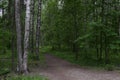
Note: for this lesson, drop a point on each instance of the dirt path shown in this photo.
(58, 69)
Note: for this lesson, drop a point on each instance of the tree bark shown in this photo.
(38, 29)
(13, 36)
(32, 26)
(26, 38)
(18, 31)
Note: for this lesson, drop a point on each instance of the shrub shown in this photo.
(4, 71)
(109, 67)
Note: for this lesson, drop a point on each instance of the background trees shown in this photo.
(89, 28)
(19, 15)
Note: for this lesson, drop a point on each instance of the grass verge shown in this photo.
(26, 78)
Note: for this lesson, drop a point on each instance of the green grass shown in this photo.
(26, 78)
(69, 56)
(89, 61)
(5, 63)
(6, 55)
(45, 49)
(33, 61)
(4, 71)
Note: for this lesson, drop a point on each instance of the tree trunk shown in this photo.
(33, 31)
(22, 11)
(13, 36)
(32, 26)
(75, 45)
(106, 51)
(38, 29)
(26, 38)
(101, 32)
(18, 30)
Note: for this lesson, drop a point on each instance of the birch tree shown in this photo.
(26, 37)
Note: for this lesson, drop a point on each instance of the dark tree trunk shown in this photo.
(38, 29)
(32, 27)
(13, 36)
(19, 36)
(106, 50)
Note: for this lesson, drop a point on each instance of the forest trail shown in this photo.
(58, 69)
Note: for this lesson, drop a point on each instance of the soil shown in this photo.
(59, 69)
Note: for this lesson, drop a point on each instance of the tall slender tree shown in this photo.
(38, 28)
(26, 37)
(32, 31)
(18, 31)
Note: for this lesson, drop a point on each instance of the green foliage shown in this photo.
(4, 71)
(86, 59)
(92, 28)
(83, 37)
(109, 67)
(5, 36)
(82, 61)
(4, 67)
(45, 49)
(27, 78)
(33, 58)
(87, 27)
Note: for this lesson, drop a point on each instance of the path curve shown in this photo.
(58, 69)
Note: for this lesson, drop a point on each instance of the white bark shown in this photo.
(26, 37)
(25, 2)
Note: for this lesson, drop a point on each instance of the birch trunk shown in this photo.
(18, 31)
(26, 37)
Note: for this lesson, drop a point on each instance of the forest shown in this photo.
(59, 39)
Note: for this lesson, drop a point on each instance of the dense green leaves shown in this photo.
(83, 26)
(5, 37)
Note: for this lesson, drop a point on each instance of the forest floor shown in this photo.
(58, 69)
